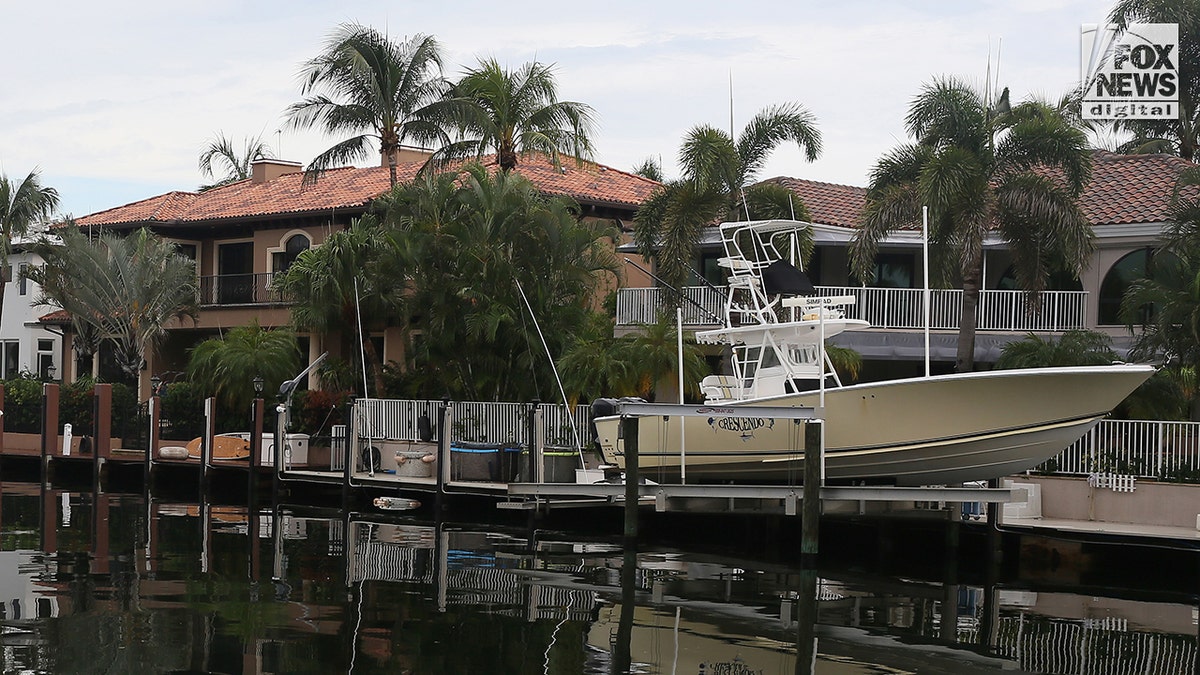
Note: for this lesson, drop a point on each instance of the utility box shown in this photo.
(295, 450)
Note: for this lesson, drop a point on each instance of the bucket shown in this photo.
(410, 463)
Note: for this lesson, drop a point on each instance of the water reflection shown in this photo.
(119, 583)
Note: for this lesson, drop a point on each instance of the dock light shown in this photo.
(155, 383)
(258, 386)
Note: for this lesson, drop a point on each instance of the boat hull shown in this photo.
(921, 431)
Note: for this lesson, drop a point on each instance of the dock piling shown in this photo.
(810, 517)
(629, 431)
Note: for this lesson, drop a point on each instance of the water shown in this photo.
(117, 584)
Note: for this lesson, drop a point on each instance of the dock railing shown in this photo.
(1142, 448)
(480, 422)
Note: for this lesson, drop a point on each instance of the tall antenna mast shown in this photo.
(731, 105)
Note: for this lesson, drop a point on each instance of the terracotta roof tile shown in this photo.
(827, 203)
(1128, 189)
(1124, 189)
(354, 188)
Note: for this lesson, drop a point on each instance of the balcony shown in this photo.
(229, 290)
(897, 308)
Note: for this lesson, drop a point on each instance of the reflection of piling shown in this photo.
(622, 652)
(629, 431)
(806, 622)
(810, 517)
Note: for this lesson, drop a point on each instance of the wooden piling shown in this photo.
(49, 428)
(102, 430)
(810, 517)
(629, 432)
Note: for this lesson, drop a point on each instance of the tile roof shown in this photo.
(827, 203)
(353, 188)
(1128, 189)
(1124, 189)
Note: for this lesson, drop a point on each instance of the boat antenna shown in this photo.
(553, 368)
(791, 206)
(678, 291)
(362, 350)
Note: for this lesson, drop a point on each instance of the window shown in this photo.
(1060, 280)
(186, 250)
(292, 248)
(1132, 267)
(22, 282)
(12, 358)
(45, 359)
(893, 270)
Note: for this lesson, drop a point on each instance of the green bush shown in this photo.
(77, 406)
(23, 406)
(183, 411)
(314, 412)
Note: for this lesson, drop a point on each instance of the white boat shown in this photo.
(944, 429)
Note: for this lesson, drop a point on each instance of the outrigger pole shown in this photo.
(678, 291)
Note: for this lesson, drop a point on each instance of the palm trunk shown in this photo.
(965, 361)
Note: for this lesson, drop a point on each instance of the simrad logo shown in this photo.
(1130, 75)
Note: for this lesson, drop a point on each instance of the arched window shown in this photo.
(292, 248)
(1131, 267)
(1060, 280)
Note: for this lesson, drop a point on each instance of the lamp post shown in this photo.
(155, 383)
(258, 386)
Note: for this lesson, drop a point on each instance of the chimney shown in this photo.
(406, 155)
(263, 170)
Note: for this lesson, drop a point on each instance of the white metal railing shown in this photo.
(401, 420)
(1042, 645)
(1142, 448)
(881, 307)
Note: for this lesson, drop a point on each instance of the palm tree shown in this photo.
(981, 168)
(353, 274)
(234, 165)
(1073, 348)
(516, 112)
(654, 358)
(127, 287)
(1181, 135)
(383, 91)
(483, 249)
(22, 205)
(226, 366)
(716, 172)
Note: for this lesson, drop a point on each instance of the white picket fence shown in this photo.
(1142, 448)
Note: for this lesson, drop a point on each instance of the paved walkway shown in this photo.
(1050, 526)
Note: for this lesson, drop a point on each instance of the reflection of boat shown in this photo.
(917, 431)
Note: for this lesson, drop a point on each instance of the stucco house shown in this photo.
(1127, 202)
(243, 234)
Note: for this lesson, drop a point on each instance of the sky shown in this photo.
(113, 102)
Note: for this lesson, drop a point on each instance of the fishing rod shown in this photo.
(678, 292)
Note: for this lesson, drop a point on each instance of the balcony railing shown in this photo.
(881, 307)
(239, 289)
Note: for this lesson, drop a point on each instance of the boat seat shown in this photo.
(719, 388)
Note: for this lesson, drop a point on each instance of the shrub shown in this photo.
(77, 402)
(183, 411)
(23, 406)
(314, 412)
